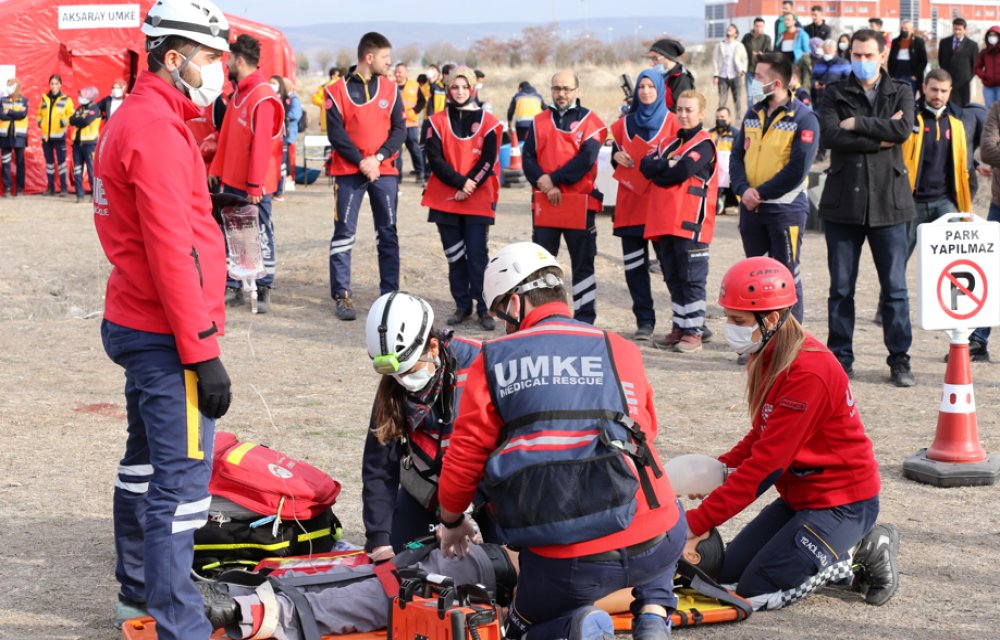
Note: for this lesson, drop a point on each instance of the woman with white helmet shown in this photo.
(415, 406)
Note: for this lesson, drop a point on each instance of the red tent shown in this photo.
(93, 44)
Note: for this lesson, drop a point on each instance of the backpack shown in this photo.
(268, 482)
(264, 504)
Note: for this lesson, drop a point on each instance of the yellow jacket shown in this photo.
(319, 99)
(409, 92)
(53, 116)
(913, 156)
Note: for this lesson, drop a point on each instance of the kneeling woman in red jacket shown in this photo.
(808, 441)
(463, 150)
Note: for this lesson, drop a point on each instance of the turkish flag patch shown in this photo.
(807, 136)
(694, 155)
(329, 103)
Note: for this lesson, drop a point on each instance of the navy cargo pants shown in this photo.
(582, 246)
(635, 254)
(161, 490)
(685, 270)
(383, 194)
(778, 234)
(464, 240)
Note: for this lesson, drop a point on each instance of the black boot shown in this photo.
(876, 564)
(220, 607)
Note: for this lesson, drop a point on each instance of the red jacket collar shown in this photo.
(251, 81)
(148, 83)
(546, 311)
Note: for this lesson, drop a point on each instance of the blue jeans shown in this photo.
(412, 143)
(267, 247)
(926, 212)
(782, 549)
(161, 490)
(982, 334)
(382, 194)
(550, 590)
(888, 247)
(990, 95)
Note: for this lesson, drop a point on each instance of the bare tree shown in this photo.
(346, 56)
(539, 43)
(490, 51)
(408, 54)
(443, 51)
(324, 58)
(302, 62)
(515, 51)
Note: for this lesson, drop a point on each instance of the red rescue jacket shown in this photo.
(685, 210)
(154, 219)
(367, 124)
(808, 440)
(555, 147)
(248, 157)
(463, 154)
(634, 204)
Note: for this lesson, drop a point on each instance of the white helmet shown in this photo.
(512, 265)
(198, 20)
(397, 330)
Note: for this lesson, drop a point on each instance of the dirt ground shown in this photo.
(302, 383)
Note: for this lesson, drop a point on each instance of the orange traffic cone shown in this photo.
(515, 153)
(955, 458)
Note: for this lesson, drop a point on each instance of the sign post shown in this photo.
(958, 290)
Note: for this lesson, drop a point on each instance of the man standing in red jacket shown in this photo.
(164, 312)
(558, 418)
(248, 162)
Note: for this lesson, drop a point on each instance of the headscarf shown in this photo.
(649, 117)
(470, 77)
(90, 93)
(16, 92)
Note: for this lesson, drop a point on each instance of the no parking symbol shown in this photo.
(962, 289)
(958, 261)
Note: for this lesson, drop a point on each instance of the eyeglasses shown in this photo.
(564, 89)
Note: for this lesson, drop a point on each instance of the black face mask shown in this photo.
(721, 124)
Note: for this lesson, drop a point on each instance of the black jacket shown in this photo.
(960, 64)
(865, 182)
(918, 58)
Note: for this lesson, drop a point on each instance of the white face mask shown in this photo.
(84, 102)
(740, 339)
(117, 93)
(275, 87)
(993, 40)
(479, 85)
(213, 79)
(419, 379)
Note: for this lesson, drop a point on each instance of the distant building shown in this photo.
(933, 17)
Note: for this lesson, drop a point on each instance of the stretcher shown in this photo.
(694, 609)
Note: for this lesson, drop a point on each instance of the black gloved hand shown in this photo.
(214, 388)
(223, 200)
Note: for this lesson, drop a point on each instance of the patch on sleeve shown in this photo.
(695, 156)
(807, 136)
(794, 405)
(329, 103)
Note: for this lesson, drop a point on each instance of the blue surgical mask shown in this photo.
(757, 92)
(660, 68)
(864, 70)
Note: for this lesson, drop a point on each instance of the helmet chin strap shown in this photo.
(765, 333)
(509, 319)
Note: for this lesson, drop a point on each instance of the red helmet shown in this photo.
(757, 284)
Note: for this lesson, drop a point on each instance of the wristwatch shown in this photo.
(379, 156)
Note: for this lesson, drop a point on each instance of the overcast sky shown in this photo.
(292, 13)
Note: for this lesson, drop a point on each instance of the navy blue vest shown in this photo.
(565, 470)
